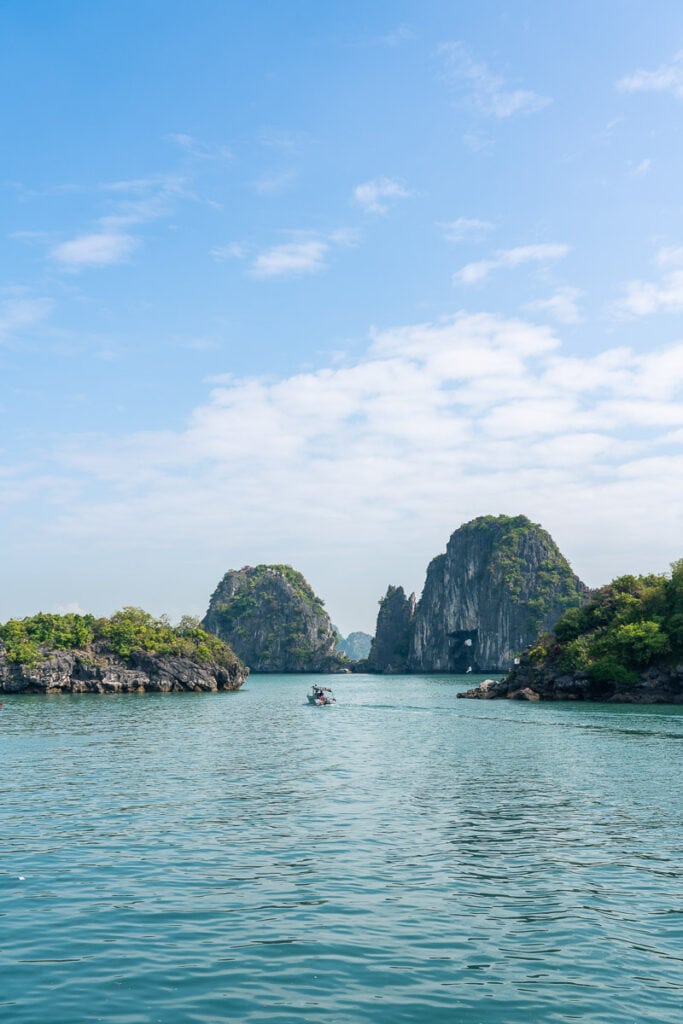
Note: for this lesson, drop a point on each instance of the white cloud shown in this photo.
(644, 298)
(465, 227)
(562, 306)
(306, 253)
(99, 249)
(375, 196)
(485, 90)
(667, 78)
(21, 312)
(138, 201)
(304, 257)
(334, 469)
(642, 168)
(670, 256)
(473, 273)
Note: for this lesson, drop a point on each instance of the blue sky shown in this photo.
(316, 283)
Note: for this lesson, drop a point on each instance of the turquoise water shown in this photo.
(403, 856)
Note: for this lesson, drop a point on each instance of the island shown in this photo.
(131, 652)
(501, 582)
(274, 621)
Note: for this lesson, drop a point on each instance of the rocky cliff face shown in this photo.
(96, 670)
(391, 643)
(273, 620)
(501, 582)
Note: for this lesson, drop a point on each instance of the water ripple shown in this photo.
(401, 857)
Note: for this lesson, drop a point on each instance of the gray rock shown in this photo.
(95, 670)
(391, 643)
(273, 621)
(501, 583)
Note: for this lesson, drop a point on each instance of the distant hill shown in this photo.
(273, 620)
(355, 646)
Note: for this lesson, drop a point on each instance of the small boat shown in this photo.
(320, 696)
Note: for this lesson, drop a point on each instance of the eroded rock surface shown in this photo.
(273, 620)
(94, 670)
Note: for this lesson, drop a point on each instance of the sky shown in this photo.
(316, 283)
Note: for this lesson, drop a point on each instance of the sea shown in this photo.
(400, 856)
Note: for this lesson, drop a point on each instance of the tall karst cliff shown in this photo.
(501, 583)
(273, 620)
(391, 643)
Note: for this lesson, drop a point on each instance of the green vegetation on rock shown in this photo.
(631, 624)
(129, 631)
(554, 583)
(274, 620)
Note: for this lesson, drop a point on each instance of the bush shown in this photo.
(128, 631)
(575, 655)
(639, 643)
(570, 625)
(607, 670)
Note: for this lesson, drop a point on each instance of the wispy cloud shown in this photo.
(98, 249)
(272, 184)
(401, 34)
(488, 92)
(231, 251)
(642, 168)
(303, 257)
(21, 312)
(138, 201)
(282, 140)
(474, 273)
(200, 150)
(377, 195)
(562, 306)
(666, 78)
(477, 142)
(465, 227)
(305, 253)
(645, 298)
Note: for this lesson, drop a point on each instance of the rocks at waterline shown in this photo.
(273, 620)
(525, 682)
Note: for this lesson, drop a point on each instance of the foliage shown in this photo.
(127, 632)
(516, 545)
(271, 612)
(632, 623)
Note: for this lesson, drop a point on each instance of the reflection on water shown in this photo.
(401, 856)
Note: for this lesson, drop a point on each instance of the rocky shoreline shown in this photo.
(94, 670)
(532, 683)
